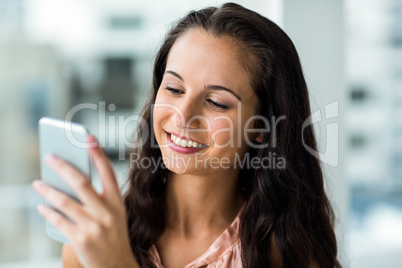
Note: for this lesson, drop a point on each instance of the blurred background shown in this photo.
(55, 55)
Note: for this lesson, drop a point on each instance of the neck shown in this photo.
(201, 204)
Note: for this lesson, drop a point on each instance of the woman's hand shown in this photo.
(98, 232)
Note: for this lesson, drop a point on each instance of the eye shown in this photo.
(218, 105)
(174, 91)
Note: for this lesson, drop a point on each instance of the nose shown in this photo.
(188, 115)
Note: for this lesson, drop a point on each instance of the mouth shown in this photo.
(183, 144)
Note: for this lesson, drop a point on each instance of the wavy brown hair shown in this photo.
(287, 206)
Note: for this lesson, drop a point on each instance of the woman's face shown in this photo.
(205, 96)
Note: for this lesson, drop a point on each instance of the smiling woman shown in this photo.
(224, 77)
(227, 85)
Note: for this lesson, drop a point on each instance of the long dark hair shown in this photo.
(287, 210)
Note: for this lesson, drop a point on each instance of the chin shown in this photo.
(180, 170)
(183, 169)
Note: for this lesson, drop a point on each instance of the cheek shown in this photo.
(164, 107)
(225, 132)
(229, 133)
(159, 115)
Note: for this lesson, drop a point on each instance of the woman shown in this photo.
(227, 88)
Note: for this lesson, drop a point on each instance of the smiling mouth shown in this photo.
(186, 143)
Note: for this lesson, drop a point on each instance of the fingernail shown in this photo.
(50, 159)
(92, 139)
(41, 208)
(39, 185)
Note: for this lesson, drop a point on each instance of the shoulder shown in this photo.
(70, 259)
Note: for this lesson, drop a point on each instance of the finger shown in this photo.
(77, 181)
(104, 169)
(66, 227)
(62, 202)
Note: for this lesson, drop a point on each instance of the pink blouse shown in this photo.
(225, 251)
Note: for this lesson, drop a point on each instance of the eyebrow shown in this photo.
(213, 87)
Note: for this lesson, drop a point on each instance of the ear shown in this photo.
(260, 137)
(258, 124)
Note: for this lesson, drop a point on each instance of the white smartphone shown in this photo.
(66, 140)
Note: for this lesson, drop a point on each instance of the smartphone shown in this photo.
(66, 140)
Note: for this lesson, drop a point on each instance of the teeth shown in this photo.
(183, 142)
